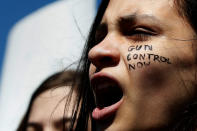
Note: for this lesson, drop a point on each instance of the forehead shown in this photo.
(161, 9)
(48, 102)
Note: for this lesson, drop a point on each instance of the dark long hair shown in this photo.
(86, 101)
(187, 120)
(188, 117)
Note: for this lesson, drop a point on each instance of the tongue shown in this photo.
(103, 113)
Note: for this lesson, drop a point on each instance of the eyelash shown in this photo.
(99, 37)
(140, 34)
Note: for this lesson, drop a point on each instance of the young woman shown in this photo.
(47, 110)
(139, 67)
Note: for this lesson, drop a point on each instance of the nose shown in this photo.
(105, 54)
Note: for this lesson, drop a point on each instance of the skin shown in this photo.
(47, 112)
(152, 95)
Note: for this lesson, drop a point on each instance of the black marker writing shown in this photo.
(148, 56)
(138, 65)
(140, 60)
(140, 47)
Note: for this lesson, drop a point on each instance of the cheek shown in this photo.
(163, 88)
(159, 91)
(160, 78)
(153, 76)
(141, 59)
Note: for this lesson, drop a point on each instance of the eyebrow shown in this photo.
(35, 125)
(61, 121)
(101, 27)
(133, 18)
(124, 22)
(56, 123)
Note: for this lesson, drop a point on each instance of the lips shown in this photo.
(108, 94)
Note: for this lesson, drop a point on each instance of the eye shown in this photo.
(101, 33)
(140, 34)
(99, 37)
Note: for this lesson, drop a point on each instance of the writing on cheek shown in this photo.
(140, 60)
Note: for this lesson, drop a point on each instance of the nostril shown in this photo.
(108, 61)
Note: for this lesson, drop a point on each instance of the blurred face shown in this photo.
(142, 67)
(47, 112)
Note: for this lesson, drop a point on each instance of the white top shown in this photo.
(41, 44)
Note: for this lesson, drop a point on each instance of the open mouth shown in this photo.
(108, 95)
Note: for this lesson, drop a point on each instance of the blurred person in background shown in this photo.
(47, 110)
